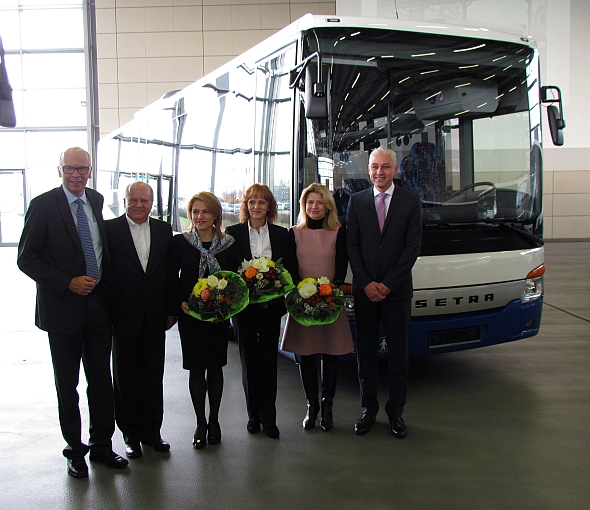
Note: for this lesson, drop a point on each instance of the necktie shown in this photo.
(381, 210)
(86, 240)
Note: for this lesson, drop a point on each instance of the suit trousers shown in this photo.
(258, 329)
(138, 372)
(92, 345)
(395, 317)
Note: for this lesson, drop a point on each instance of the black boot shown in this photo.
(329, 379)
(327, 422)
(313, 408)
(309, 378)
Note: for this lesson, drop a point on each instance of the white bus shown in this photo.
(461, 108)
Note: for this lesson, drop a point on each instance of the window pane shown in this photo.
(9, 30)
(15, 156)
(55, 107)
(57, 28)
(53, 70)
(45, 147)
(13, 68)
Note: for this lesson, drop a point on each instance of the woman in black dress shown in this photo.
(201, 250)
(258, 327)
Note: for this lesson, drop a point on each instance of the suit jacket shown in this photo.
(138, 295)
(50, 253)
(386, 257)
(278, 241)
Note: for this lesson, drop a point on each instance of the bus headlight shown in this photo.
(533, 289)
(533, 286)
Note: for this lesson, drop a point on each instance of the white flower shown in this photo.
(212, 281)
(222, 284)
(260, 264)
(323, 279)
(308, 290)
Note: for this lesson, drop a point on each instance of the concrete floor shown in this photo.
(506, 427)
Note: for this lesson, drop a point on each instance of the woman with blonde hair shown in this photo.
(196, 253)
(258, 327)
(317, 247)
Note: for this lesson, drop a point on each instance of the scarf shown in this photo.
(208, 260)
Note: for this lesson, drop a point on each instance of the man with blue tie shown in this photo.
(383, 238)
(63, 249)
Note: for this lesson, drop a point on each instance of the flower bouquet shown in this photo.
(218, 297)
(315, 302)
(266, 280)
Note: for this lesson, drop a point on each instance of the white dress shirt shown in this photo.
(260, 242)
(142, 240)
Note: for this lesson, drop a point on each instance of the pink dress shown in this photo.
(316, 254)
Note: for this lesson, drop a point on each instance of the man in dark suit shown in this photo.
(142, 313)
(383, 237)
(63, 249)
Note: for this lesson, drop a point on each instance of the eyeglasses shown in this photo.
(82, 170)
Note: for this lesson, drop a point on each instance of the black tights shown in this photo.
(199, 386)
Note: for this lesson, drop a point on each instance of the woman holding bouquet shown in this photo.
(317, 248)
(196, 253)
(258, 327)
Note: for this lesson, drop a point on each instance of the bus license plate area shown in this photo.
(453, 337)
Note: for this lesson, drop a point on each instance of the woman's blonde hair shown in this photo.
(259, 191)
(212, 203)
(331, 218)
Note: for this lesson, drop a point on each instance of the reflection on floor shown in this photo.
(501, 427)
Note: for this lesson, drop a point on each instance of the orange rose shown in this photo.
(205, 295)
(251, 272)
(325, 289)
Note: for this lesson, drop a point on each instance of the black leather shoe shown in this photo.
(133, 450)
(111, 459)
(364, 424)
(77, 468)
(272, 431)
(214, 433)
(157, 444)
(398, 427)
(253, 426)
(200, 437)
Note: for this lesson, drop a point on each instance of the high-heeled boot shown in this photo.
(313, 408)
(327, 422)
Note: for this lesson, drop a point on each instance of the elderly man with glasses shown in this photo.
(63, 249)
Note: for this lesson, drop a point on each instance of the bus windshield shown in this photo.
(462, 115)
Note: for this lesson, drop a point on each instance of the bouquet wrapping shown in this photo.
(266, 279)
(315, 302)
(218, 297)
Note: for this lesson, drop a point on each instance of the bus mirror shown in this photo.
(316, 102)
(556, 125)
(554, 114)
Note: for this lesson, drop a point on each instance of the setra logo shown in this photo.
(454, 301)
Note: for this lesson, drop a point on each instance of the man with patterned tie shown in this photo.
(63, 249)
(143, 310)
(383, 238)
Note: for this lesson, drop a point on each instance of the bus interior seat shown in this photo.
(422, 172)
